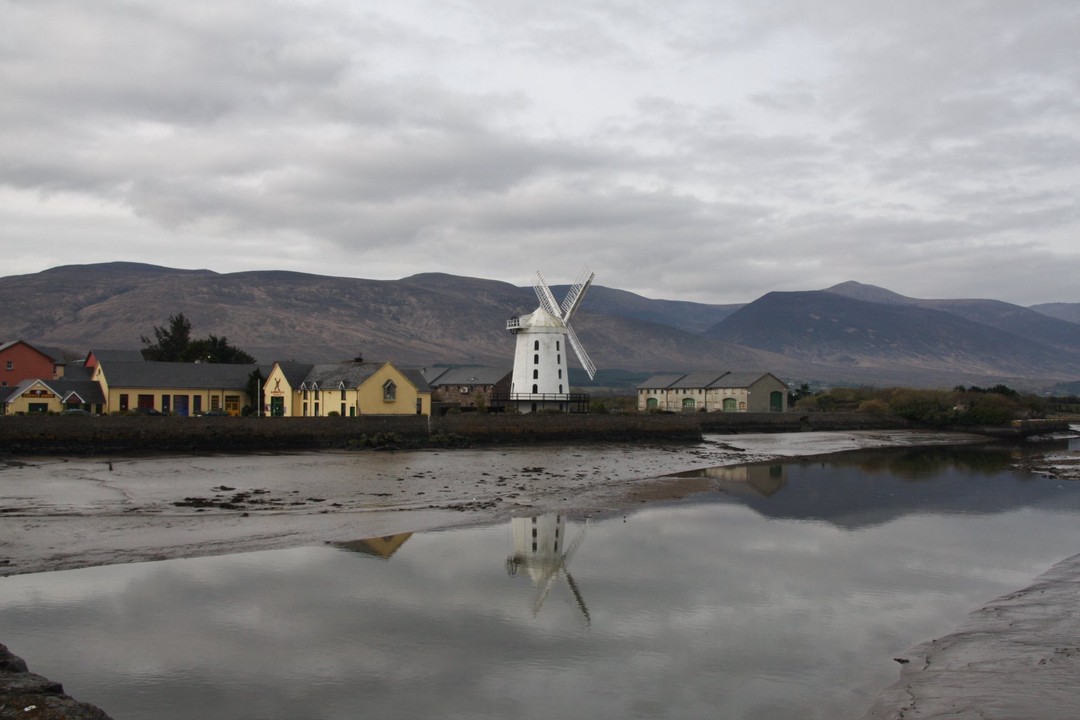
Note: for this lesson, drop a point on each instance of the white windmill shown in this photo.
(541, 379)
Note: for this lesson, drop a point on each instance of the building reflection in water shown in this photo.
(380, 547)
(541, 548)
(763, 480)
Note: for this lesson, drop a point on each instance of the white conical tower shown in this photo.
(544, 339)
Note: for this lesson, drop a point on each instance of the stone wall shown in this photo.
(54, 434)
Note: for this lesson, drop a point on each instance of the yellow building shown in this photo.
(52, 396)
(174, 388)
(345, 389)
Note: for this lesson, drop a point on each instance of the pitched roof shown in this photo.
(295, 372)
(53, 354)
(467, 375)
(739, 379)
(332, 375)
(699, 379)
(662, 380)
(116, 355)
(416, 377)
(147, 374)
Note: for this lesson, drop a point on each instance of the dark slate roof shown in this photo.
(117, 355)
(700, 379)
(739, 379)
(53, 354)
(468, 375)
(88, 391)
(660, 381)
(416, 377)
(144, 374)
(329, 376)
(295, 372)
(6, 391)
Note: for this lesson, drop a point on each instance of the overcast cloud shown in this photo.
(708, 151)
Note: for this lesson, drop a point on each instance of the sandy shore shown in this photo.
(62, 513)
(1019, 657)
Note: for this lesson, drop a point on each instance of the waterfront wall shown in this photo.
(53, 434)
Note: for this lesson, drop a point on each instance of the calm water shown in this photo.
(785, 594)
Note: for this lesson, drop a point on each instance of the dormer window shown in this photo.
(389, 391)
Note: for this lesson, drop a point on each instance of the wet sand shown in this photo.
(62, 513)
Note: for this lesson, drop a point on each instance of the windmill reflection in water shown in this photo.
(540, 547)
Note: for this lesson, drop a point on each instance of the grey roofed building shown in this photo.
(744, 391)
(86, 394)
(328, 376)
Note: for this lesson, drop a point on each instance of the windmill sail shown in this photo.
(547, 300)
(576, 293)
(586, 361)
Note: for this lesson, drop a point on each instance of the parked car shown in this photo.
(145, 411)
(217, 412)
(76, 411)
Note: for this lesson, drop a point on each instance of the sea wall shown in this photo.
(114, 434)
(88, 435)
(797, 422)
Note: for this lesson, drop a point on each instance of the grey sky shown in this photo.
(708, 151)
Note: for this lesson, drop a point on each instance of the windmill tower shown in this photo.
(540, 380)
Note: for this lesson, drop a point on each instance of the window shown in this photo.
(123, 402)
(10, 364)
(560, 388)
(419, 406)
(536, 359)
(558, 359)
(389, 391)
(197, 406)
(536, 346)
(342, 413)
(232, 404)
(536, 374)
(343, 399)
(535, 389)
(557, 345)
(560, 373)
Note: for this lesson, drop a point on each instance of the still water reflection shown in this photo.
(784, 594)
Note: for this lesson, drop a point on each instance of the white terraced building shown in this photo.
(719, 391)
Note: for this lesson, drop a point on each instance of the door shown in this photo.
(277, 406)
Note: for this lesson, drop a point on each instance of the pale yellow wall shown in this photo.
(21, 404)
(226, 399)
(277, 386)
(370, 394)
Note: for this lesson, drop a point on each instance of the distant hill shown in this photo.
(420, 320)
(1062, 311)
(827, 327)
(850, 333)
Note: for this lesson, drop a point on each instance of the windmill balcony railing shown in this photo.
(513, 323)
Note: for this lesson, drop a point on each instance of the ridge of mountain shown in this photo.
(1024, 322)
(832, 328)
(869, 335)
(278, 315)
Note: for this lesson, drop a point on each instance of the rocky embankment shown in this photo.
(27, 695)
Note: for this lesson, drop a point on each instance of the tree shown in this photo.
(173, 343)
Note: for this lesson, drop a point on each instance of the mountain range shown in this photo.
(849, 333)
